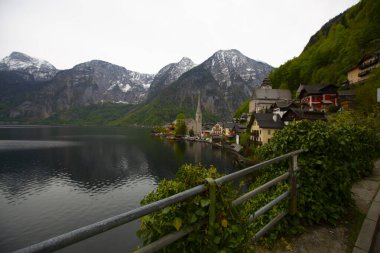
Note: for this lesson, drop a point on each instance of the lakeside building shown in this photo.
(217, 129)
(229, 129)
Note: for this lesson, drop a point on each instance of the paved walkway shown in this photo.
(367, 199)
(319, 239)
(376, 246)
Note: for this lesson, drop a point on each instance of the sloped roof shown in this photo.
(274, 94)
(265, 120)
(285, 103)
(229, 125)
(302, 114)
(313, 89)
(310, 88)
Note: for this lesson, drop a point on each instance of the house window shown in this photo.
(269, 131)
(268, 140)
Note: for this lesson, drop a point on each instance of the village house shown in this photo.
(228, 129)
(263, 99)
(296, 114)
(217, 133)
(346, 99)
(206, 130)
(360, 72)
(217, 129)
(263, 127)
(240, 128)
(317, 97)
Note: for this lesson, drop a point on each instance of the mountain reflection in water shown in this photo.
(56, 179)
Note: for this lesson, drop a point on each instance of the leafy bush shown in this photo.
(335, 156)
(229, 233)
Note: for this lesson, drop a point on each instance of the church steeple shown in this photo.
(198, 117)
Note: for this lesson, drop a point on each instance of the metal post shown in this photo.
(293, 185)
(212, 195)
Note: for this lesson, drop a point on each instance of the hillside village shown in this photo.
(270, 110)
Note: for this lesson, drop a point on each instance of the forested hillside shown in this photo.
(337, 46)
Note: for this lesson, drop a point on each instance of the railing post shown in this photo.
(293, 184)
(211, 211)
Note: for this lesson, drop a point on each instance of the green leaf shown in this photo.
(235, 228)
(200, 212)
(205, 202)
(193, 218)
(217, 239)
(177, 223)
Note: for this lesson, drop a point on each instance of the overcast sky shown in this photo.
(145, 35)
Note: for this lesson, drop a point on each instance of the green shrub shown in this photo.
(229, 231)
(335, 156)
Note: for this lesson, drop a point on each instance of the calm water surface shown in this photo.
(56, 179)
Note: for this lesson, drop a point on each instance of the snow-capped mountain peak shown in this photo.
(227, 64)
(169, 74)
(40, 69)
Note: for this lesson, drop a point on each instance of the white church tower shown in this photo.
(198, 117)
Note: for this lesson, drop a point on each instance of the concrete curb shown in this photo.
(366, 237)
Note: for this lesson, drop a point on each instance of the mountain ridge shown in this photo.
(97, 81)
(332, 50)
(225, 80)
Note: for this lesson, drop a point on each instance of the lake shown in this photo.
(56, 179)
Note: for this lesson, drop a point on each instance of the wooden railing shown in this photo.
(83, 233)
